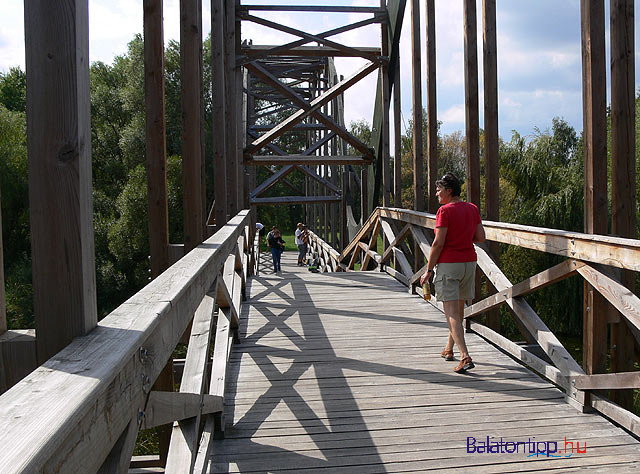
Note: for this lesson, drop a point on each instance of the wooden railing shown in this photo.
(328, 257)
(81, 411)
(585, 254)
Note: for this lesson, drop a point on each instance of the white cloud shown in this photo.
(454, 114)
(539, 63)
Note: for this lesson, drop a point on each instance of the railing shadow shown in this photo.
(322, 418)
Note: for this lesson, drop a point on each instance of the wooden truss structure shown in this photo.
(292, 115)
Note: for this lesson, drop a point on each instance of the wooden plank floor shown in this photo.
(340, 372)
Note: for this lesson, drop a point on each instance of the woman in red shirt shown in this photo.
(458, 226)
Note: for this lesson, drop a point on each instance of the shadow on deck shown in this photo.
(340, 372)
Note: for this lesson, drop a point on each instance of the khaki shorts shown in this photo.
(455, 281)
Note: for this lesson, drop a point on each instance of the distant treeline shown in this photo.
(541, 184)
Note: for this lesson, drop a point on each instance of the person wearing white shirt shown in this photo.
(302, 247)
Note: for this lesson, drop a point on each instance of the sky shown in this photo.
(539, 53)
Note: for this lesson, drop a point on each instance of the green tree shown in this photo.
(13, 90)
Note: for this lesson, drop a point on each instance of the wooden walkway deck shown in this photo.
(340, 372)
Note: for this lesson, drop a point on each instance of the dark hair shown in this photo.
(450, 181)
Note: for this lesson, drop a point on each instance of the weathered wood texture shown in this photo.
(59, 152)
(308, 396)
(623, 168)
(17, 356)
(418, 150)
(432, 108)
(156, 136)
(595, 171)
(472, 121)
(63, 404)
(219, 111)
(191, 88)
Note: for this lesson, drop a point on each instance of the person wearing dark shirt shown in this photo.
(276, 244)
(458, 226)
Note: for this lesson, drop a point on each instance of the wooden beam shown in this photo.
(403, 234)
(311, 8)
(283, 49)
(219, 111)
(155, 137)
(167, 407)
(264, 160)
(364, 191)
(401, 258)
(432, 108)
(310, 51)
(59, 153)
(313, 175)
(272, 180)
(397, 138)
(322, 117)
(595, 171)
(349, 51)
(362, 233)
(545, 278)
(624, 418)
(184, 437)
(191, 90)
(623, 169)
(17, 356)
(118, 361)
(527, 358)
(231, 108)
(418, 150)
(294, 200)
(315, 104)
(607, 381)
(385, 87)
(603, 249)
(372, 247)
(619, 296)
(472, 121)
(491, 138)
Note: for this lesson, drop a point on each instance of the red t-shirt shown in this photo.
(461, 220)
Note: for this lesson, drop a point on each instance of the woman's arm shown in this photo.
(434, 254)
(479, 234)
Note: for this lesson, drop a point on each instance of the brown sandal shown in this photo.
(465, 364)
(447, 355)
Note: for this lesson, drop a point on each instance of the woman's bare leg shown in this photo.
(452, 311)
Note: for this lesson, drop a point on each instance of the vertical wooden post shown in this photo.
(218, 93)
(363, 196)
(157, 168)
(155, 136)
(595, 171)
(191, 85)
(386, 96)
(397, 139)
(59, 149)
(203, 148)
(344, 233)
(3, 304)
(471, 102)
(231, 109)
(242, 194)
(418, 150)
(623, 171)
(491, 143)
(432, 109)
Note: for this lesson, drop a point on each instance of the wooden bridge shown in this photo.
(337, 371)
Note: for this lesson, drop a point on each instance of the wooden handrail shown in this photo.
(328, 256)
(582, 250)
(81, 410)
